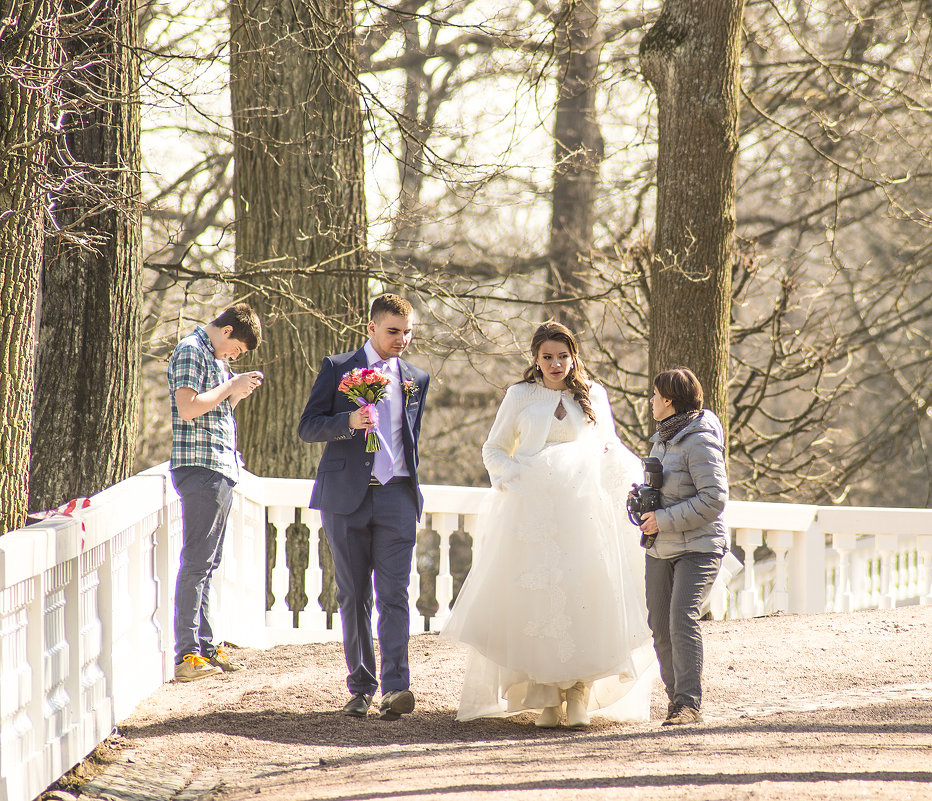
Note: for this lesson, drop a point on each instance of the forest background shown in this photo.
(739, 187)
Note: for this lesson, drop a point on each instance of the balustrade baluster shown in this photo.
(94, 699)
(313, 617)
(844, 544)
(56, 653)
(279, 616)
(886, 548)
(913, 588)
(748, 539)
(445, 525)
(780, 543)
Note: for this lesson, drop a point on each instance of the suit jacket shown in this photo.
(345, 466)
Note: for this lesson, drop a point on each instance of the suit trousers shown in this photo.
(206, 499)
(374, 545)
(676, 590)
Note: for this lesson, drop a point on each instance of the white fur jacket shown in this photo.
(523, 422)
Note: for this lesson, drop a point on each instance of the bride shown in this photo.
(553, 604)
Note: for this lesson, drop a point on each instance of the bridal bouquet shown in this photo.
(366, 387)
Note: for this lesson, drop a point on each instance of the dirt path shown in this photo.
(825, 706)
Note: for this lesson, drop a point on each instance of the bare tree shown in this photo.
(27, 35)
(578, 152)
(690, 56)
(300, 213)
(832, 286)
(87, 377)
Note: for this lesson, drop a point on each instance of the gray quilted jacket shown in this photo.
(694, 491)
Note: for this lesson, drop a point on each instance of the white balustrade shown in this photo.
(845, 545)
(86, 614)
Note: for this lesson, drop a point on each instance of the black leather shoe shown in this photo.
(358, 705)
(395, 704)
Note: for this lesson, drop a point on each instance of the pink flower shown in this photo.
(365, 386)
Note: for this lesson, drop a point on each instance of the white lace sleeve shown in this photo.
(498, 450)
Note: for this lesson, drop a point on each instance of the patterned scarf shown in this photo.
(670, 426)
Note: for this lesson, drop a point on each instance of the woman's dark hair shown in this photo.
(245, 324)
(577, 381)
(682, 387)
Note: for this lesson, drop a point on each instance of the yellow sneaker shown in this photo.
(193, 667)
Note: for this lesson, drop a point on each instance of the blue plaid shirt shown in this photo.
(210, 439)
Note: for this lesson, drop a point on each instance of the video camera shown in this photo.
(646, 497)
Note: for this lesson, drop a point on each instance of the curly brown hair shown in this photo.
(577, 381)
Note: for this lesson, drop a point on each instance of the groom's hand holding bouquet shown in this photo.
(366, 387)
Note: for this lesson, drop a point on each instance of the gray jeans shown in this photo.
(676, 589)
(206, 499)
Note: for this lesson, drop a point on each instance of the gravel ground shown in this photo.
(806, 707)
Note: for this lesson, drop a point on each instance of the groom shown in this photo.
(370, 503)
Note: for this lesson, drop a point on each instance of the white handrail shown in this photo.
(86, 611)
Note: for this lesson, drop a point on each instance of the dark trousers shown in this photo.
(375, 542)
(676, 589)
(206, 499)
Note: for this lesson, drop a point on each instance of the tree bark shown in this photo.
(25, 93)
(578, 153)
(85, 415)
(299, 202)
(414, 131)
(690, 57)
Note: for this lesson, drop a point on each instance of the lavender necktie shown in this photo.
(384, 466)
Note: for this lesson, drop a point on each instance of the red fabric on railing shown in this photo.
(65, 510)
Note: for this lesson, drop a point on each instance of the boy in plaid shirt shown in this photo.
(204, 469)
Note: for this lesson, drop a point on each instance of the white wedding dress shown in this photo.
(555, 594)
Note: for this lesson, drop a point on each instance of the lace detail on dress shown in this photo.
(549, 619)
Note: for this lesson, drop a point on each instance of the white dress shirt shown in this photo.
(396, 400)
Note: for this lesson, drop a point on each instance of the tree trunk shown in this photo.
(299, 202)
(25, 95)
(578, 153)
(691, 58)
(407, 221)
(87, 380)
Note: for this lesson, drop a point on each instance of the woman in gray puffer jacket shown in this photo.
(690, 535)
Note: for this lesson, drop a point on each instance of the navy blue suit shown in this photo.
(371, 529)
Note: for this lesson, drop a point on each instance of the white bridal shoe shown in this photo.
(577, 703)
(550, 718)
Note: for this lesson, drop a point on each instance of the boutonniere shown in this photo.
(410, 388)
